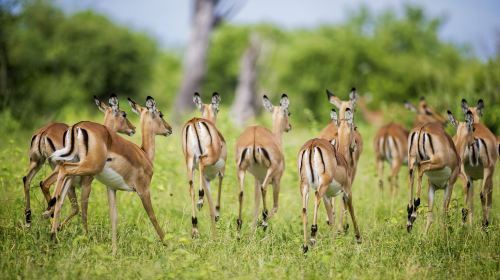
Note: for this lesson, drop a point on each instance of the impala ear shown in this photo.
(349, 117)
(197, 101)
(469, 120)
(136, 108)
(102, 107)
(480, 107)
(333, 142)
(465, 106)
(113, 102)
(452, 119)
(215, 100)
(410, 107)
(267, 103)
(333, 99)
(353, 97)
(284, 102)
(151, 104)
(333, 115)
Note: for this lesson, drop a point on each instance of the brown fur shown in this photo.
(106, 148)
(394, 152)
(260, 151)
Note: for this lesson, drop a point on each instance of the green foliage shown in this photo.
(53, 59)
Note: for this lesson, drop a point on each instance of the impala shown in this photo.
(390, 144)
(117, 163)
(204, 149)
(330, 132)
(260, 151)
(322, 166)
(476, 146)
(51, 137)
(424, 113)
(431, 151)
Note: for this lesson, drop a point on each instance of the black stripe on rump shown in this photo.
(302, 160)
(310, 163)
(411, 140)
(64, 137)
(33, 139)
(322, 160)
(187, 133)
(51, 144)
(85, 140)
(266, 154)
(243, 154)
(430, 143)
(72, 142)
(210, 134)
(486, 149)
(395, 144)
(198, 138)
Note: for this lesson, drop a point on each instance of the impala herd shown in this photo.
(326, 165)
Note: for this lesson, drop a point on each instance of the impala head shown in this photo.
(343, 105)
(464, 137)
(281, 115)
(208, 111)
(425, 114)
(335, 121)
(345, 132)
(115, 118)
(151, 118)
(477, 111)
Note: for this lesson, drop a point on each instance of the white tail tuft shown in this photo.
(62, 154)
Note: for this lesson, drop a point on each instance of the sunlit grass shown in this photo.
(387, 251)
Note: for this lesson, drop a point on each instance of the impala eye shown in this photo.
(124, 114)
(161, 114)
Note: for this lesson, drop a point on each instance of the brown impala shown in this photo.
(204, 149)
(323, 167)
(260, 151)
(51, 137)
(117, 163)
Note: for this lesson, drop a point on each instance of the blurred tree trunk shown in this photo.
(246, 103)
(207, 15)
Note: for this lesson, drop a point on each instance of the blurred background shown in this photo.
(56, 55)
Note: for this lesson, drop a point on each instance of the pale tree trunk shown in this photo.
(246, 103)
(204, 19)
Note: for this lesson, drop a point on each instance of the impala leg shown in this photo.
(201, 191)
(148, 206)
(348, 201)
(396, 165)
(45, 184)
(469, 201)
(265, 183)
(64, 182)
(194, 219)
(314, 226)
(219, 192)
(305, 197)
(276, 194)
(74, 206)
(416, 202)
(241, 181)
(258, 197)
(206, 186)
(430, 216)
(33, 169)
(329, 211)
(487, 195)
(113, 215)
(446, 201)
(409, 208)
(380, 173)
(86, 188)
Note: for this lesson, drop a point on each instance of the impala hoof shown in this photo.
(359, 240)
(199, 204)
(194, 233)
(47, 214)
(53, 237)
(346, 228)
(409, 226)
(305, 248)
(264, 225)
(312, 241)
(217, 218)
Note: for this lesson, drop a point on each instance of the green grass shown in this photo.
(387, 251)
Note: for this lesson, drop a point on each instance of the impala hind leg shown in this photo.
(63, 183)
(33, 169)
(113, 215)
(430, 215)
(395, 166)
(86, 188)
(74, 207)
(348, 201)
(304, 191)
(241, 181)
(258, 198)
(206, 186)
(276, 195)
(487, 195)
(329, 211)
(219, 192)
(148, 206)
(317, 202)
(380, 172)
(467, 213)
(194, 219)
(265, 183)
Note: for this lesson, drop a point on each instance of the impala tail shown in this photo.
(70, 150)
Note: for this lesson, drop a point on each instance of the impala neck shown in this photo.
(148, 143)
(278, 131)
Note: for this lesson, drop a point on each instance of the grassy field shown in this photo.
(387, 251)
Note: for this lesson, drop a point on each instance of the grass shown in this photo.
(387, 251)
